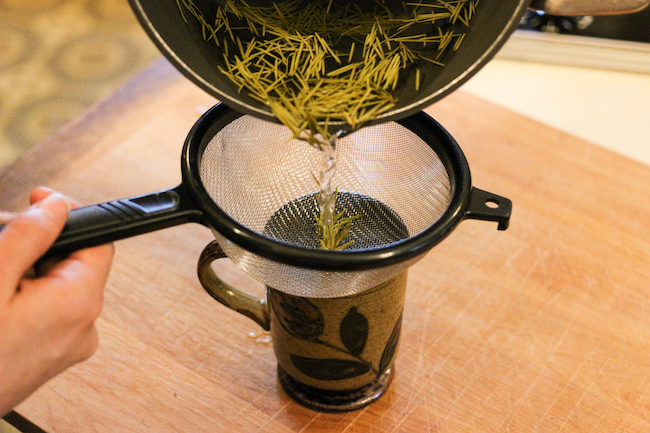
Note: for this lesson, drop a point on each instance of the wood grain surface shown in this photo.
(541, 328)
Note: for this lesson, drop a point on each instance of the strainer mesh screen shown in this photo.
(263, 178)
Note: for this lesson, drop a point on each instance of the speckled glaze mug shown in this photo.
(334, 354)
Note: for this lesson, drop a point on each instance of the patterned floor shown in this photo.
(57, 57)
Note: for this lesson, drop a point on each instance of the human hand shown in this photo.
(47, 311)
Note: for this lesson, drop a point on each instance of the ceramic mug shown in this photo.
(334, 354)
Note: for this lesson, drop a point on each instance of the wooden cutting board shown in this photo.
(542, 328)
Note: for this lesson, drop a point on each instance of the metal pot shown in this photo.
(182, 43)
(589, 7)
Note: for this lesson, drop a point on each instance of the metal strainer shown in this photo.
(264, 179)
(253, 184)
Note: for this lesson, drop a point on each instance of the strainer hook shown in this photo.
(486, 206)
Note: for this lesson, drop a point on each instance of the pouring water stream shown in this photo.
(327, 197)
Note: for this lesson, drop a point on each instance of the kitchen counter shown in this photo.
(541, 328)
(593, 88)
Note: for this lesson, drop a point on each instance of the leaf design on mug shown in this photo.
(297, 315)
(329, 368)
(354, 331)
(391, 346)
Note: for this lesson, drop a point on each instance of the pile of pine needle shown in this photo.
(314, 63)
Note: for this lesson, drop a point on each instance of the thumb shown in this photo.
(5, 217)
(28, 236)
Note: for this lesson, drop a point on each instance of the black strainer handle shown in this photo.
(119, 219)
(486, 206)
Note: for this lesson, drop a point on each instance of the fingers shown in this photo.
(28, 236)
(87, 268)
(98, 258)
(5, 217)
(41, 192)
(84, 272)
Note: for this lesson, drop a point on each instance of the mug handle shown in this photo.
(248, 305)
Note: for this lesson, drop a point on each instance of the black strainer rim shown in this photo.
(429, 130)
